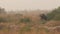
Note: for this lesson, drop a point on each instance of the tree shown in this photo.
(2, 10)
(54, 15)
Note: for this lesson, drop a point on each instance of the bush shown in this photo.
(50, 16)
(25, 29)
(54, 15)
(25, 20)
(57, 17)
(3, 20)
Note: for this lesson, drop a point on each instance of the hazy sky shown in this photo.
(29, 4)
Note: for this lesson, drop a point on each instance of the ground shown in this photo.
(33, 27)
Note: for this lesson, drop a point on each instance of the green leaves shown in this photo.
(25, 20)
(3, 20)
(54, 15)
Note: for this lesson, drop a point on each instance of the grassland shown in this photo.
(29, 23)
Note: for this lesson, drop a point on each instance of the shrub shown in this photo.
(25, 20)
(3, 20)
(54, 15)
(25, 29)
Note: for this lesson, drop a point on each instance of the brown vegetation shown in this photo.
(29, 23)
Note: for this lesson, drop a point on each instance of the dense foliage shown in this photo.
(54, 15)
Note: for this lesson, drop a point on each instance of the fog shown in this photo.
(29, 4)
